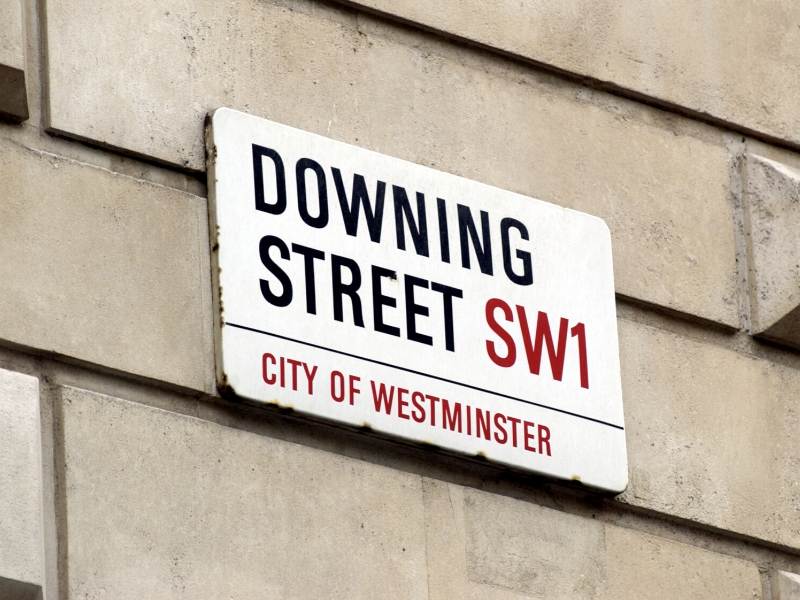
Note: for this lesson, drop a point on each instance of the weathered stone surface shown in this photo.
(13, 97)
(712, 434)
(773, 205)
(161, 505)
(21, 543)
(445, 539)
(647, 567)
(11, 46)
(104, 268)
(785, 586)
(661, 182)
(684, 52)
(194, 509)
(526, 548)
(515, 549)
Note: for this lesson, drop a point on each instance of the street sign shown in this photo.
(371, 291)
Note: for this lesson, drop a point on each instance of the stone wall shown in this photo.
(124, 475)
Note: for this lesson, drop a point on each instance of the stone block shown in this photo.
(162, 505)
(712, 434)
(515, 549)
(682, 53)
(13, 95)
(104, 268)
(648, 567)
(21, 541)
(194, 509)
(659, 181)
(12, 52)
(445, 539)
(785, 586)
(536, 551)
(773, 218)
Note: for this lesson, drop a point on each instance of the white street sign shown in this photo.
(371, 291)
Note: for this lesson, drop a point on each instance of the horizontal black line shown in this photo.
(391, 366)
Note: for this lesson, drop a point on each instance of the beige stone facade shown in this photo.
(123, 474)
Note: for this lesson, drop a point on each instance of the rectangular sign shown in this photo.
(375, 292)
